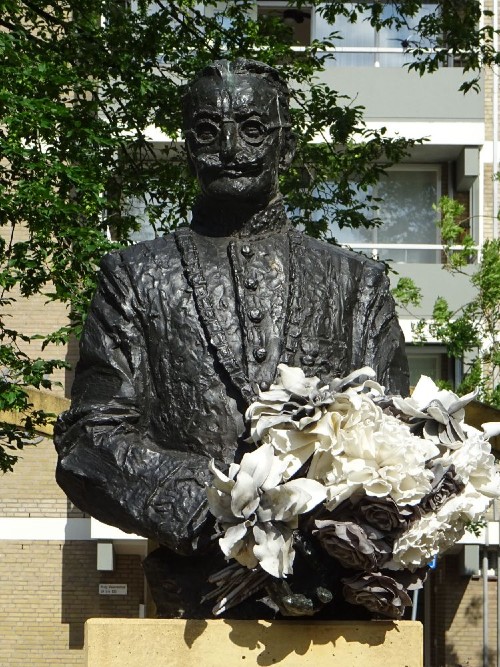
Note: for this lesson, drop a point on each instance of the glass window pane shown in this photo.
(409, 256)
(391, 36)
(404, 37)
(360, 33)
(137, 207)
(392, 255)
(424, 364)
(393, 59)
(297, 20)
(353, 59)
(430, 360)
(406, 210)
(406, 200)
(349, 235)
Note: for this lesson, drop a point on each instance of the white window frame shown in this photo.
(374, 247)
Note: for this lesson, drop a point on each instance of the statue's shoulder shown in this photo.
(142, 255)
(338, 255)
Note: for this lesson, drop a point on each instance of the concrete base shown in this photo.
(178, 643)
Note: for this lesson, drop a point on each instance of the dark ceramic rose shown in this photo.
(354, 546)
(379, 593)
(383, 514)
(448, 486)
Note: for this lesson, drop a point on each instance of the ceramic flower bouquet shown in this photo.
(382, 484)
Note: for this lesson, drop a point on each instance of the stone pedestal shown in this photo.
(180, 643)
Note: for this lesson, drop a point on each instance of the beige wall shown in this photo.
(38, 315)
(31, 490)
(48, 590)
(457, 616)
(34, 316)
(489, 80)
(488, 201)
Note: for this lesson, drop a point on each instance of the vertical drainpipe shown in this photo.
(485, 597)
(494, 72)
(496, 517)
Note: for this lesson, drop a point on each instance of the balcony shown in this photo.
(391, 94)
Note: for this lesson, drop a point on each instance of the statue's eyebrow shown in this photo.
(245, 110)
(213, 112)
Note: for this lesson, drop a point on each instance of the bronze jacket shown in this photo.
(180, 332)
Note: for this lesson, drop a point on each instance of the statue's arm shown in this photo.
(109, 464)
(376, 325)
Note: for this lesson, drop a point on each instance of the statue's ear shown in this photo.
(287, 150)
(189, 157)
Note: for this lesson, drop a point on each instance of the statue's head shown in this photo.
(237, 128)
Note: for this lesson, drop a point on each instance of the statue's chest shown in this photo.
(250, 303)
(233, 304)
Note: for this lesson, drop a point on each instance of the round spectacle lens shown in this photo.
(206, 131)
(252, 131)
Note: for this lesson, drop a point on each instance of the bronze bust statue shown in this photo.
(184, 330)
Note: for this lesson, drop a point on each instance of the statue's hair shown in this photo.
(226, 68)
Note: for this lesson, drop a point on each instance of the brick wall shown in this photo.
(488, 201)
(38, 315)
(488, 89)
(48, 590)
(31, 490)
(34, 316)
(457, 617)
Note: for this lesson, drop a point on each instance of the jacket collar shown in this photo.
(210, 220)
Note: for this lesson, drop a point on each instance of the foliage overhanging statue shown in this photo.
(82, 82)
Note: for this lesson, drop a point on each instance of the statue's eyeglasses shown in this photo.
(251, 130)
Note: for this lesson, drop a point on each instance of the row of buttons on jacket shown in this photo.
(255, 314)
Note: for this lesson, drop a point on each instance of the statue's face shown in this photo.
(235, 139)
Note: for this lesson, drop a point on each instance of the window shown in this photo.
(298, 20)
(433, 361)
(408, 232)
(364, 46)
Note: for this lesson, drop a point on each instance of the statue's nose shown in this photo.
(228, 140)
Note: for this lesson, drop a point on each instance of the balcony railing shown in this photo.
(409, 253)
(372, 56)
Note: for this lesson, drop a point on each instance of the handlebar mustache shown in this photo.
(240, 164)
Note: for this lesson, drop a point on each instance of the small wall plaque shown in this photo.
(112, 589)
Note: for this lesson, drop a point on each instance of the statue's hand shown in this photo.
(307, 591)
(297, 604)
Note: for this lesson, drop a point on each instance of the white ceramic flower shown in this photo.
(258, 512)
(438, 412)
(296, 402)
(426, 393)
(294, 381)
(293, 403)
(474, 463)
(491, 429)
(434, 471)
(379, 456)
(436, 532)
